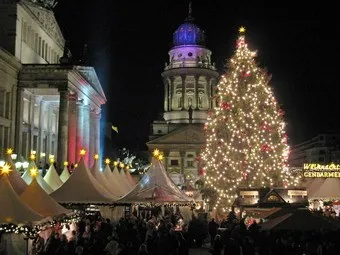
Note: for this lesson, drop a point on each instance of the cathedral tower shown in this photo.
(189, 81)
(189, 77)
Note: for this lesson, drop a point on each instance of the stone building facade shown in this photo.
(46, 107)
(189, 80)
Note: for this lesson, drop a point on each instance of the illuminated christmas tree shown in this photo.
(246, 143)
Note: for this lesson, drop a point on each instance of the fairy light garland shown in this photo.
(32, 231)
(246, 142)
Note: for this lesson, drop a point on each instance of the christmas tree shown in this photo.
(246, 143)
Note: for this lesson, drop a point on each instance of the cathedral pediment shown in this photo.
(46, 19)
(189, 134)
(90, 75)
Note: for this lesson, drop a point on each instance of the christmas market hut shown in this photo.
(157, 189)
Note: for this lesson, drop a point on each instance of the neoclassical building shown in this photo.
(189, 80)
(47, 105)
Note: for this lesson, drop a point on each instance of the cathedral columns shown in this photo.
(166, 94)
(63, 127)
(171, 93)
(196, 92)
(79, 129)
(86, 132)
(72, 129)
(18, 126)
(183, 91)
(96, 133)
(92, 137)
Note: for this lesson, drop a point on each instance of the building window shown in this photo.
(43, 49)
(179, 102)
(8, 105)
(159, 131)
(174, 162)
(39, 46)
(2, 99)
(322, 152)
(190, 163)
(35, 142)
(321, 159)
(36, 42)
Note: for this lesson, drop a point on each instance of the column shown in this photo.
(183, 91)
(86, 132)
(166, 97)
(62, 128)
(41, 132)
(72, 129)
(92, 137)
(171, 92)
(97, 132)
(18, 126)
(31, 126)
(196, 92)
(13, 117)
(79, 129)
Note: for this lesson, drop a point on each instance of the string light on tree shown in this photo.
(65, 163)
(246, 142)
(107, 161)
(96, 156)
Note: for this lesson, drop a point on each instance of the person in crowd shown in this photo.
(37, 245)
(217, 246)
(213, 227)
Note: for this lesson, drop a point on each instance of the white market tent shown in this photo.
(156, 187)
(12, 209)
(52, 178)
(37, 199)
(114, 182)
(82, 188)
(130, 179)
(120, 180)
(65, 174)
(330, 189)
(314, 185)
(14, 178)
(125, 179)
(100, 177)
(28, 178)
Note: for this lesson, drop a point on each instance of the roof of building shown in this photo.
(188, 33)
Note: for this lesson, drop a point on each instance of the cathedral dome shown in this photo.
(188, 34)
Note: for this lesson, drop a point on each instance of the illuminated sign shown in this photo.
(297, 193)
(321, 171)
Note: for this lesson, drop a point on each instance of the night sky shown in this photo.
(128, 44)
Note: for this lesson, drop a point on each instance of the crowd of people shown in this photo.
(161, 235)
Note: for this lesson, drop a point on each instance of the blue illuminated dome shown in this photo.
(188, 34)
